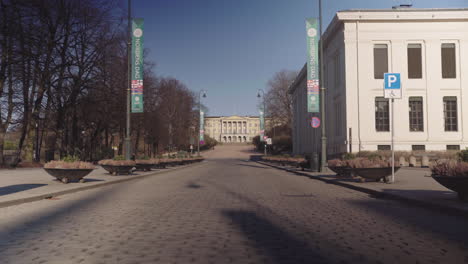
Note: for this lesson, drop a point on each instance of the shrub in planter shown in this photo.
(117, 166)
(463, 155)
(453, 175)
(68, 169)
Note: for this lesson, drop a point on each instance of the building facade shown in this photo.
(428, 47)
(232, 129)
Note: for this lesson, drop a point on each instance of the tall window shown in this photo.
(380, 60)
(450, 113)
(416, 118)
(449, 67)
(337, 119)
(414, 61)
(381, 114)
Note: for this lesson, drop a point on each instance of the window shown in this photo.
(448, 61)
(381, 114)
(337, 119)
(337, 65)
(414, 61)
(418, 147)
(380, 60)
(450, 113)
(453, 147)
(383, 147)
(416, 118)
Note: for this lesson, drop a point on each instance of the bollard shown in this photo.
(402, 161)
(425, 162)
(412, 161)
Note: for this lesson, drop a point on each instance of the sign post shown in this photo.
(392, 90)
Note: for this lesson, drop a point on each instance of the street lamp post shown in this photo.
(264, 113)
(129, 74)
(323, 163)
(199, 117)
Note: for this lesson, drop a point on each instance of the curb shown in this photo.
(380, 194)
(84, 188)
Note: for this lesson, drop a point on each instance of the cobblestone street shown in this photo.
(228, 210)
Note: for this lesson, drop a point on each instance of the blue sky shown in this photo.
(231, 48)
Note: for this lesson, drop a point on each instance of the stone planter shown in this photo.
(159, 165)
(375, 173)
(69, 175)
(144, 166)
(458, 184)
(118, 169)
(343, 171)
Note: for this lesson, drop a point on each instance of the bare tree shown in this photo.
(278, 100)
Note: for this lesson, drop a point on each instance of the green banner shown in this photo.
(137, 65)
(202, 128)
(262, 123)
(313, 84)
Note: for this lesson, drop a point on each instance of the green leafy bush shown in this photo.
(209, 143)
(71, 158)
(120, 157)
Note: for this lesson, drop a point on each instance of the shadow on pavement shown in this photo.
(280, 246)
(448, 195)
(28, 231)
(422, 221)
(18, 188)
(253, 166)
(92, 180)
(255, 157)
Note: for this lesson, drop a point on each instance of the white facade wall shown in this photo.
(306, 139)
(352, 89)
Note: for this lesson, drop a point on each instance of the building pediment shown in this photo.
(235, 118)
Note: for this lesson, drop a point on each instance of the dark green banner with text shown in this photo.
(137, 65)
(313, 84)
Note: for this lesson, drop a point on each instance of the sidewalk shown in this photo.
(411, 185)
(31, 184)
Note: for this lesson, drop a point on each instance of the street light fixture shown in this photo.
(199, 121)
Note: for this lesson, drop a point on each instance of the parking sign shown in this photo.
(392, 85)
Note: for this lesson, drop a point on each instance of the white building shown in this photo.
(429, 47)
(232, 129)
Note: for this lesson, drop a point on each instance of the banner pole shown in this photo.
(129, 45)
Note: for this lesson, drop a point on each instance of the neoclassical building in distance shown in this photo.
(232, 129)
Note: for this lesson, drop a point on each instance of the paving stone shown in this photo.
(237, 214)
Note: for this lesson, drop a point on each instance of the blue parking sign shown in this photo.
(392, 81)
(392, 85)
